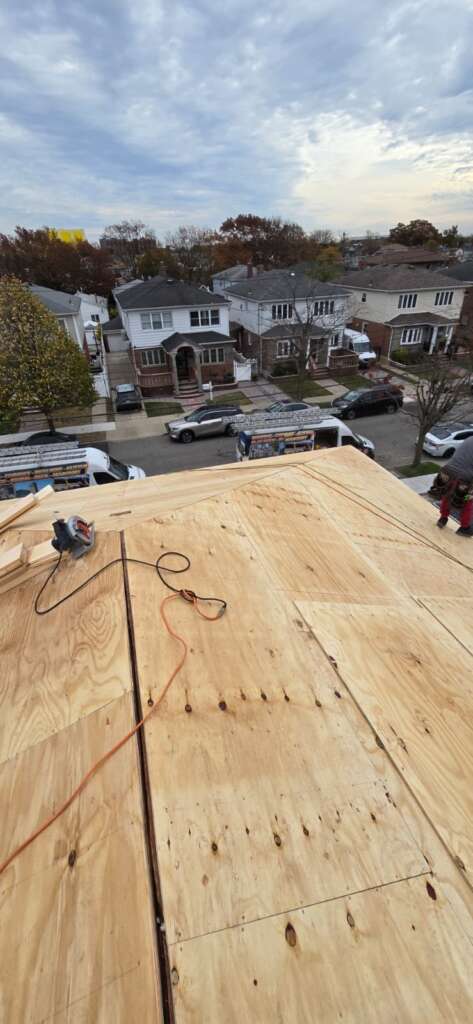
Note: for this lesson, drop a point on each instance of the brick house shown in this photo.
(399, 306)
(264, 314)
(177, 334)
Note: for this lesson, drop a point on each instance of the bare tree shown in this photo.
(310, 312)
(442, 387)
(127, 242)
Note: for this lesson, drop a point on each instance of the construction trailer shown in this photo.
(290, 836)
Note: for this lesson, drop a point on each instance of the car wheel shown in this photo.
(391, 407)
(187, 436)
(351, 414)
(448, 454)
(229, 430)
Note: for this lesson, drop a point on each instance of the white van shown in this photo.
(263, 441)
(25, 470)
(359, 343)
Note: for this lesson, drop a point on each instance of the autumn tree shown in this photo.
(442, 387)
(417, 232)
(40, 365)
(39, 256)
(159, 260)
(193, 249)
(452, 237)
(269, 240)
(127, 242)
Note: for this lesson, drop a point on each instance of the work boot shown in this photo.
(442, 522)
(465, 531)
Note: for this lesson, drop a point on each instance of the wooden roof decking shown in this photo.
(301, 804)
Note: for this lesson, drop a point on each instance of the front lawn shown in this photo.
(310, 388)
(422, 469)
(355, 381)
(229, 398)
(163, 409)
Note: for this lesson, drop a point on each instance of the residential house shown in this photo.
(464, 272)
(264, 316)
(405, 305)
(178, 334)
(93, 308)
(66, 308)
(395, 255)
(224, 279)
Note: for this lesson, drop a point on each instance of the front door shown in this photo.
(184, 363)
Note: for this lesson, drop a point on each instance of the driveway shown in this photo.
(120, 368)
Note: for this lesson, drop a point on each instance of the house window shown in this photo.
(153, 357)
(334, 340)
(444, 298)
(155, 321)
(407, 301)
(95, 317)
(411, 335)
(323, 307)
(213, 355)
(64, 326)
(285, 349)
(282, 311)
(205, 317)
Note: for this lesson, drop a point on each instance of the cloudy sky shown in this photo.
(351, 115)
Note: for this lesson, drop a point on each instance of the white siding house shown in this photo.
(93, 308)
(178, 334)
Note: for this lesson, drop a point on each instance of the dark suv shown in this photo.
(366, 401)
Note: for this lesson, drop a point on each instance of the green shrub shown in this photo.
(284, 369)
(408, 356)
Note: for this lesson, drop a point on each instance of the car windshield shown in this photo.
(118, 468)
(446, 430)
(350, 396)
(362, 346)
(124, 388)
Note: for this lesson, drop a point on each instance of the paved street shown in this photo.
(394, 437)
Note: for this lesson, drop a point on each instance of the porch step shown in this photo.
(190, 391)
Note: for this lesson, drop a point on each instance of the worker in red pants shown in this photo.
(456, 478)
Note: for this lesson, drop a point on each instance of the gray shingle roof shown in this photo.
(164, 292)
(60, 303)
(289, 330)
(277, 285)
(199, 338)
(405, 255)
(410, 319)
(115, 324)
(461, 271)
(237, 273)
(395, 278)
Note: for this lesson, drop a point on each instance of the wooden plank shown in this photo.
(16, 508)
(262, 794)
(414, 682)
(11, 559)
(75, 907)
(68, 663)
(392, 955)
(41, 554)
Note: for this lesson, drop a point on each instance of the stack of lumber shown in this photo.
(292, 837)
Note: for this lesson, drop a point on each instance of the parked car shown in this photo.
(444, 439)
(47, 437)
(128, 396)
(366, 401)
(203, 422)
(287, 405)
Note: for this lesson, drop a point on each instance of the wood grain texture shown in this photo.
(59, 667)
(12, 558)
(414, 682)
(262, 795)
(394, 955)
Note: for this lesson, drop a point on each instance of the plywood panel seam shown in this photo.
(390, 757)
(306, 906)
(426, 607)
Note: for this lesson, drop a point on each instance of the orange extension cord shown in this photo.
(192, 599)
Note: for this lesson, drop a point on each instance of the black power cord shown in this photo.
(188, 595)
